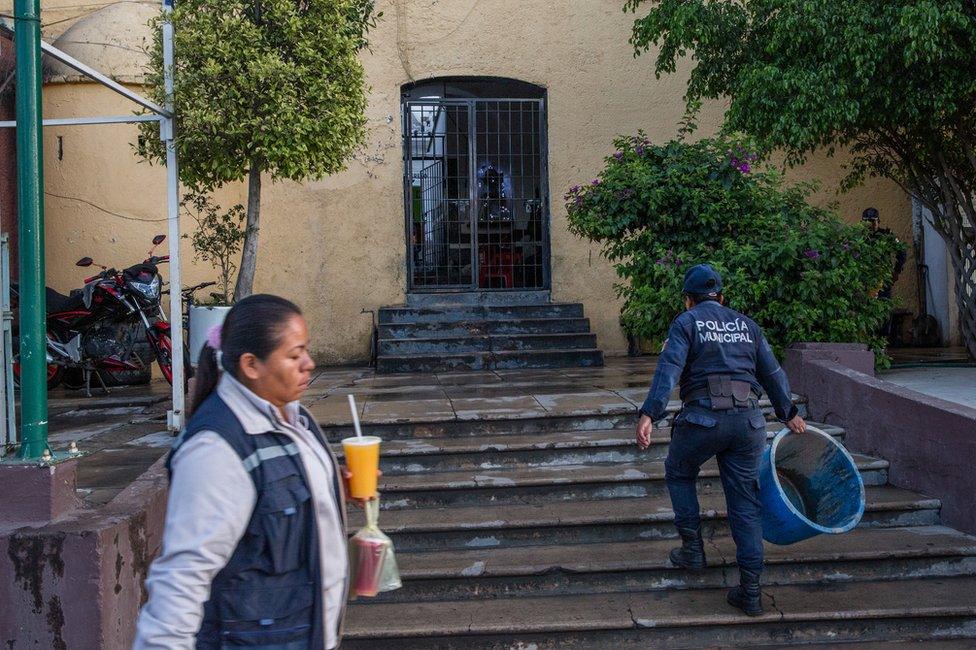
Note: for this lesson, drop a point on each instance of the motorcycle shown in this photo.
(85, 329)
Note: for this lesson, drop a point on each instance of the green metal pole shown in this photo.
(30, 197)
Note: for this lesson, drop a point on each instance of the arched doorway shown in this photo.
(476, 189)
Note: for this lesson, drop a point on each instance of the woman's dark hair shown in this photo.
(252, 325)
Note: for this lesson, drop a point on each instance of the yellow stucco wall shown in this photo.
(100, 200)
(337, 246)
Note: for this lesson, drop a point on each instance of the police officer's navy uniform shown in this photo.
(721, 361)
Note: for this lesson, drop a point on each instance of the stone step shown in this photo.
(485, 343)
(507, 416)
(454, 298)
(557, 483)
(855, 611)
(928, 644)
(502, 360)
(404, 456)
(862, 554)
(460, 313)
(605, 520)
(485, 328)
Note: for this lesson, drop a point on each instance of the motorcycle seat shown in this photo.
(59, 302)
(56, 301)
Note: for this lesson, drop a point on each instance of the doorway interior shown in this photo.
(476, 185)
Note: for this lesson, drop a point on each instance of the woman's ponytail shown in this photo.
(204, 379)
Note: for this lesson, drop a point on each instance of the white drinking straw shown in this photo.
(355, 415)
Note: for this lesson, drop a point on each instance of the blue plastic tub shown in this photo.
(809, 485)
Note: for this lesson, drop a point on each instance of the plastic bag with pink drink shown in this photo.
(372, 561)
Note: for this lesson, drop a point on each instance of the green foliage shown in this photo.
(892, 80)
(272, 83)
(806, 74)
(217, 239)
(262, 86)
(796, 269)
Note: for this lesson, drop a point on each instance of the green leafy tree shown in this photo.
(263, 86)
(217, 239)
(894, 81)
(796, 269)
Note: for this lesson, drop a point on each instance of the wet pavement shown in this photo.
(123, 433)
(120, 435)
(952, 384)
(620, 385)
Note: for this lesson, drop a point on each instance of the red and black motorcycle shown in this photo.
(89, 331)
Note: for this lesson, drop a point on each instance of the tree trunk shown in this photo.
(961, 247)
(249, 256)
(964, 265)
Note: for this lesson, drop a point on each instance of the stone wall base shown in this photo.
(929, 442)
(77, 582)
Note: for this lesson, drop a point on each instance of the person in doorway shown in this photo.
(871, 217)
(254, 546)
(721, 359)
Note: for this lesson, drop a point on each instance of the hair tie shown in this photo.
(213, 337)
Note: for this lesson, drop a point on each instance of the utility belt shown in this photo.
(722, 393)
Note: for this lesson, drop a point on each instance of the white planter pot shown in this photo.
(201, 320)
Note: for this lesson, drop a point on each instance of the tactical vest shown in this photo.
(269, 593)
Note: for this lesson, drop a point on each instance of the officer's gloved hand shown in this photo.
(797, 425)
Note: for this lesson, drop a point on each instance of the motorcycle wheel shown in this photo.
(163, 346)
(54, 372)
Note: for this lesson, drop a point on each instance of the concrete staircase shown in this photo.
(554, 532)
(441, 335)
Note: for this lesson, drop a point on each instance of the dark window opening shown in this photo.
(476, 184)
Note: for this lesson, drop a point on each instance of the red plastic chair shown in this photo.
(494, 262)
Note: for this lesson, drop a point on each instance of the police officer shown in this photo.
(871, 217)
(721, 360)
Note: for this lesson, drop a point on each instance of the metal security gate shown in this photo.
(476, 194)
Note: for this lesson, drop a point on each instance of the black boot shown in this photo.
(747, 595)
(691, 555)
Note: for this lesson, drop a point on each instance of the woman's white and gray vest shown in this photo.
(270, 591)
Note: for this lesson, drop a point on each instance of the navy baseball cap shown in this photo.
(702, 280)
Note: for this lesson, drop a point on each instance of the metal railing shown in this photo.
(8, 423)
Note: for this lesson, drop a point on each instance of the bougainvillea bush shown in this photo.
(795, 268)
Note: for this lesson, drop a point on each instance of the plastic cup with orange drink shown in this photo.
(362, 459)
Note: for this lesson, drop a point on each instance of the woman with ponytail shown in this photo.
(254, 548)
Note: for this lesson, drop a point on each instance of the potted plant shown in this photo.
(217, 241)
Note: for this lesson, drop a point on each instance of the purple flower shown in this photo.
(579, 201)
(595, 181)
(640, 150)
(812, 254)
(846, 246)
(618, 155)
(574, 189)
(740, 161)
